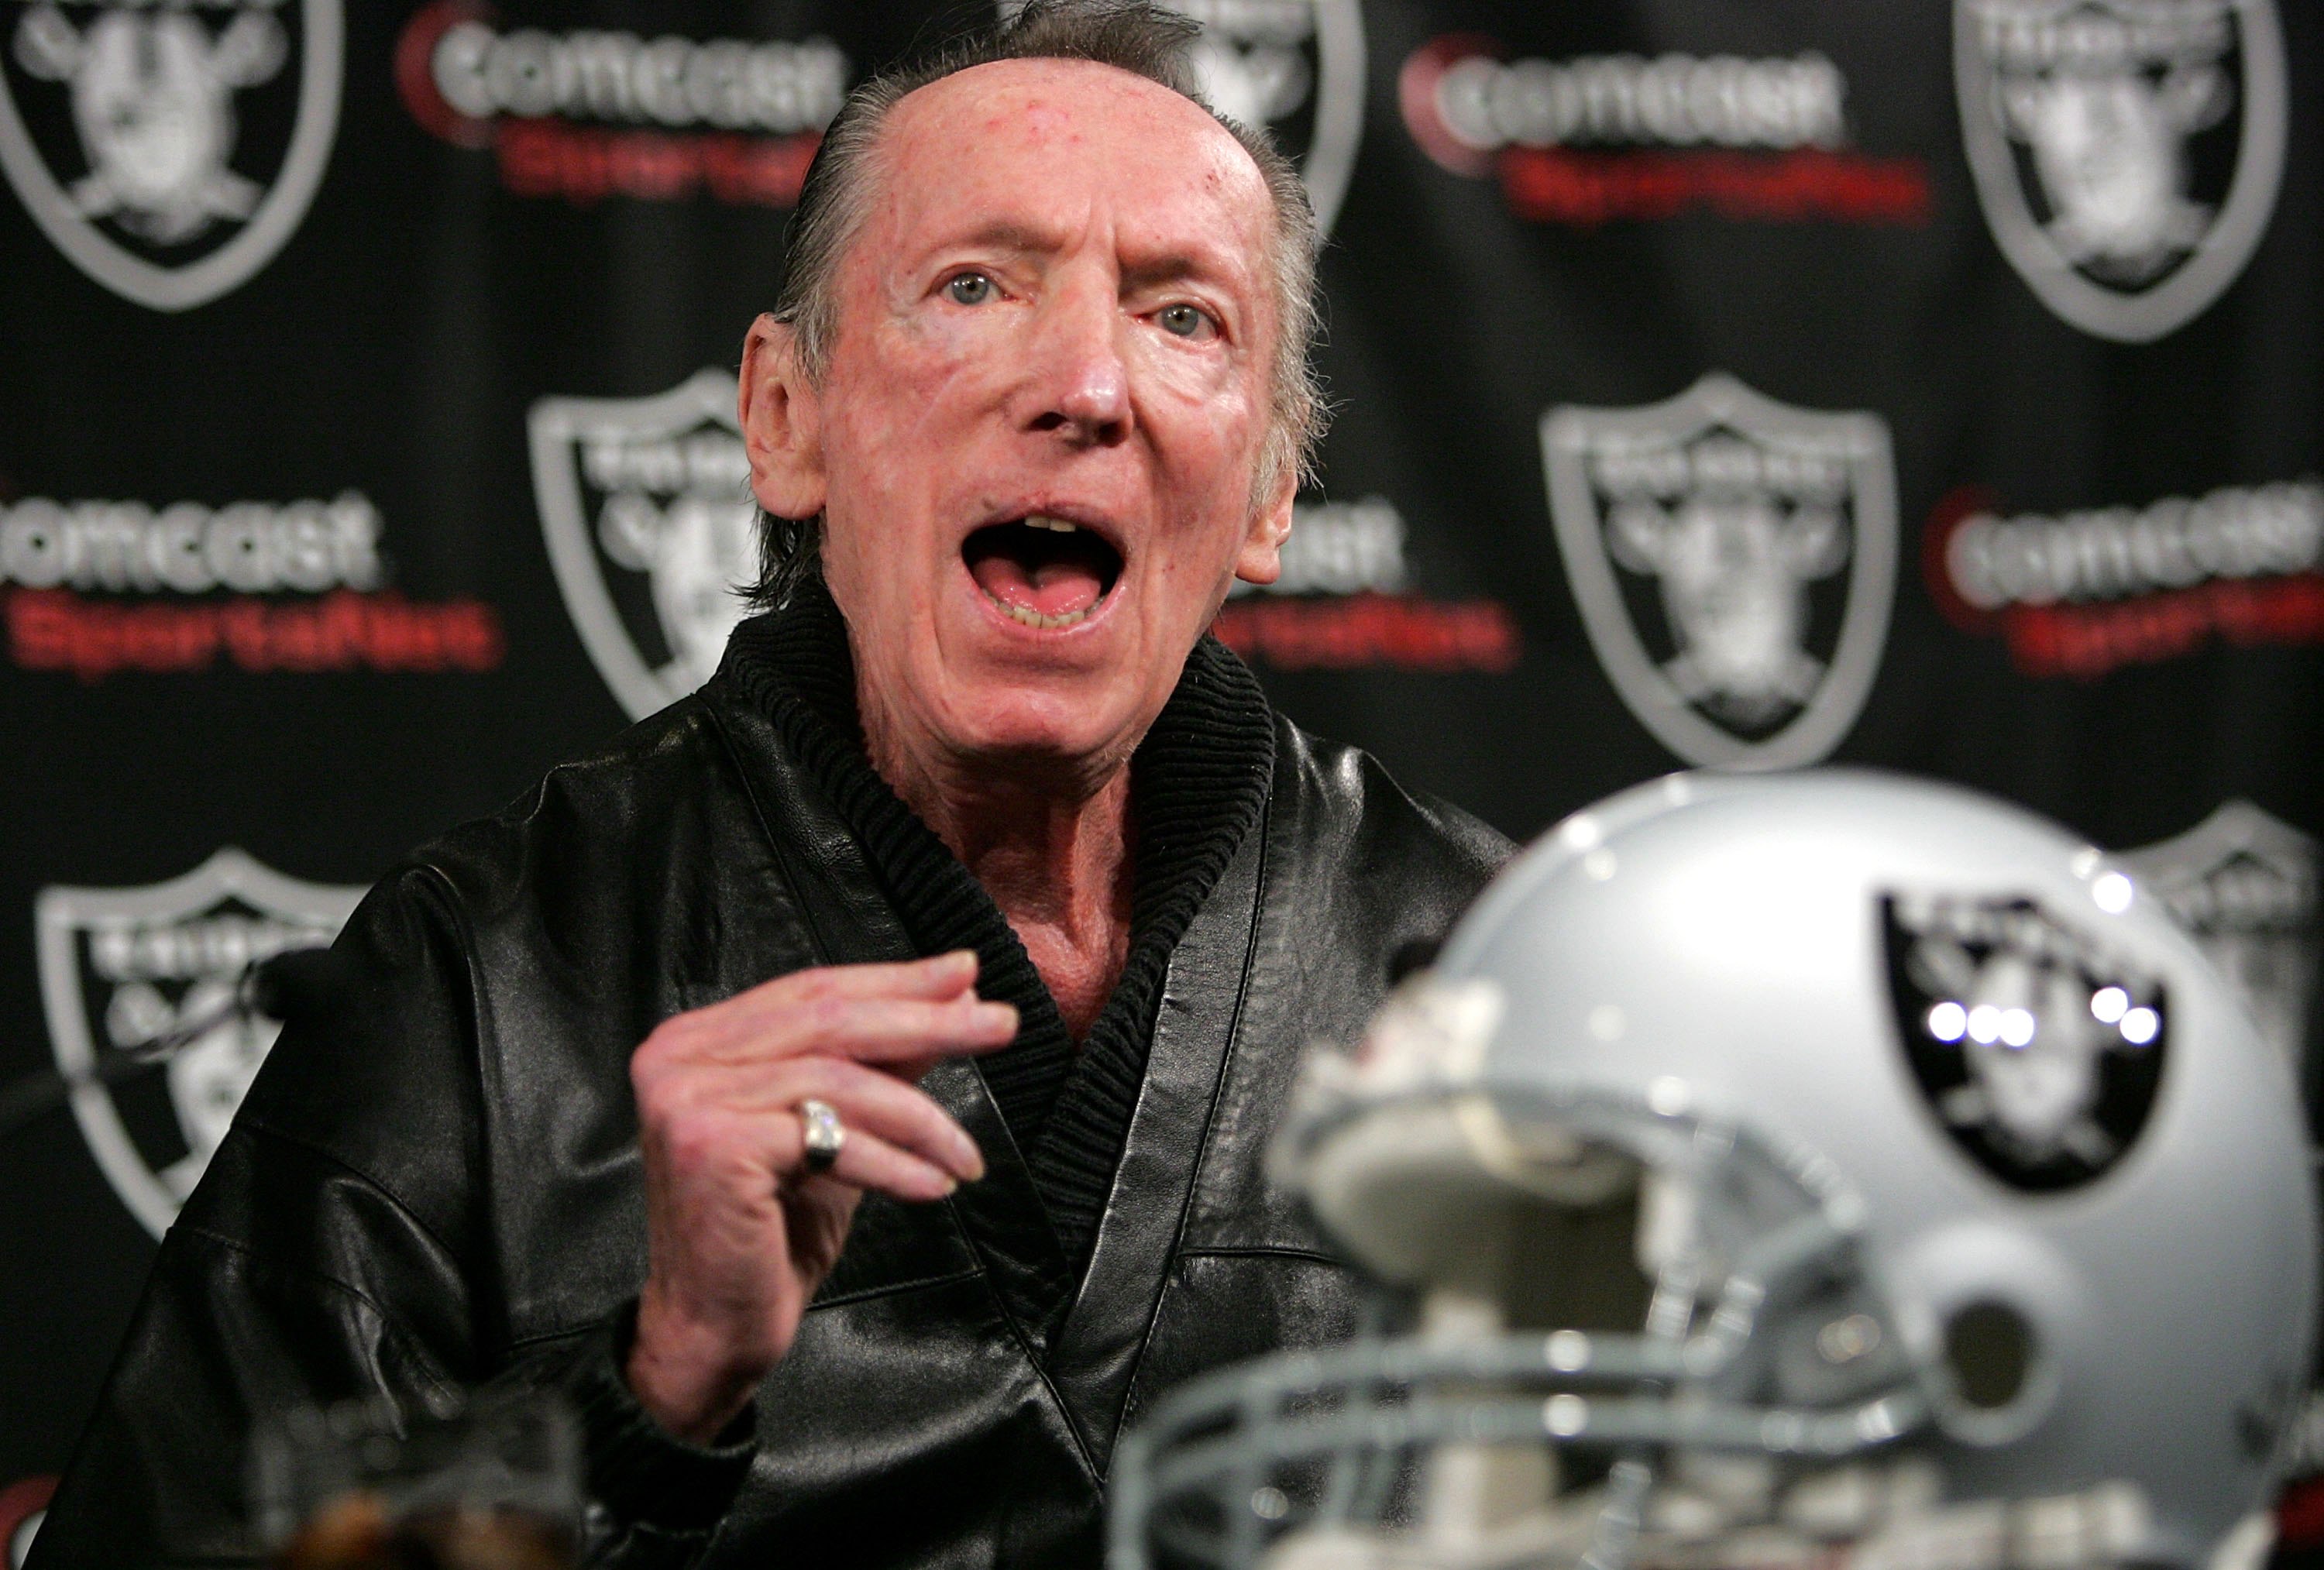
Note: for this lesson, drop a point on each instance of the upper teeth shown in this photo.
(1055, 524)
(1032, 617)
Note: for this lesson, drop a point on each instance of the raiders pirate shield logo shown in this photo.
(646, 503)
(1734, 559)
(122, 965)
(2126, 151)
(2244, 883)
(169, 150)
(2040, 1053)
(1295, 66)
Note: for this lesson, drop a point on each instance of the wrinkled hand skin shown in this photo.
(740, 1234)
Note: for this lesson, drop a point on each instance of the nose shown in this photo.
(1080, 383)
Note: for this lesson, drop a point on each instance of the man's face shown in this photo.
(1058, 309)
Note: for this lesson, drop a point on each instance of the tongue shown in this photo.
(1053, 588)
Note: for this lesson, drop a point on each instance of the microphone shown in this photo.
(295, 984)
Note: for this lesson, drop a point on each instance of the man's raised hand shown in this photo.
(740, 1229)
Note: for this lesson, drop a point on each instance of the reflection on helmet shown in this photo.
(1827, 1170)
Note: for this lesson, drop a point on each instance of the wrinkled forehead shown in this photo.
(1046, 148)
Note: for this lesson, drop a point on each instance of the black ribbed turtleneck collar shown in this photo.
(1197, 783)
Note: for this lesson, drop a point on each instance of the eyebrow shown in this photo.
(1009, 235)
(1166, 269)
(1012, 234)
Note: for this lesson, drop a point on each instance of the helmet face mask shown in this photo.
(1698, 1252)
(1688, 1232)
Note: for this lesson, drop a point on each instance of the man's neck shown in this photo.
(1054, 852)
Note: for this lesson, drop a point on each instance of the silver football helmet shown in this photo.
(1819, 1169)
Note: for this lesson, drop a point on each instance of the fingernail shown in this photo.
(996, 1014)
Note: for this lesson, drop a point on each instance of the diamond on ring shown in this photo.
(825, 1135)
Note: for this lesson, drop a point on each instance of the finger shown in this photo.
(868, 1161)
(937, 978)
(885, 1030)
(768, 1096)
(879, 1104)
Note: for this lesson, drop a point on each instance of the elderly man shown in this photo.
(970, 919)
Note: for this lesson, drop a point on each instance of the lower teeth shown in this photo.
(1032, 617)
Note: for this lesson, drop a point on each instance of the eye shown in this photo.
(1185, 321)
(969, 289)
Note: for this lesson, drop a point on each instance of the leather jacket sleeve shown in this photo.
(298, 1274)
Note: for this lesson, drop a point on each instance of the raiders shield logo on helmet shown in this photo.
(2126, 151)
(1295, 66)
(2040, 1052)
(2244, 883)
(120, 966)
(646, 503)
(1734, 559)
(169, 150)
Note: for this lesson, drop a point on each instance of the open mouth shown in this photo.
(1042, 572)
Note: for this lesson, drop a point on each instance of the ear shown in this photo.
(1260, 560)
(782, 422)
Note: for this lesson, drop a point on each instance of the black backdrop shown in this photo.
(1742, 383)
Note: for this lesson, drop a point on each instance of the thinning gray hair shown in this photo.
(1132, 35)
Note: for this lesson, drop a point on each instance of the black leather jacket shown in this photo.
(442, 1189)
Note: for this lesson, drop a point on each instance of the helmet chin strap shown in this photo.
(1669, 1246)
(1472, 1491)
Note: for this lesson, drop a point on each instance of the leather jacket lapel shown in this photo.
(854, 923)
(1099, 1345)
